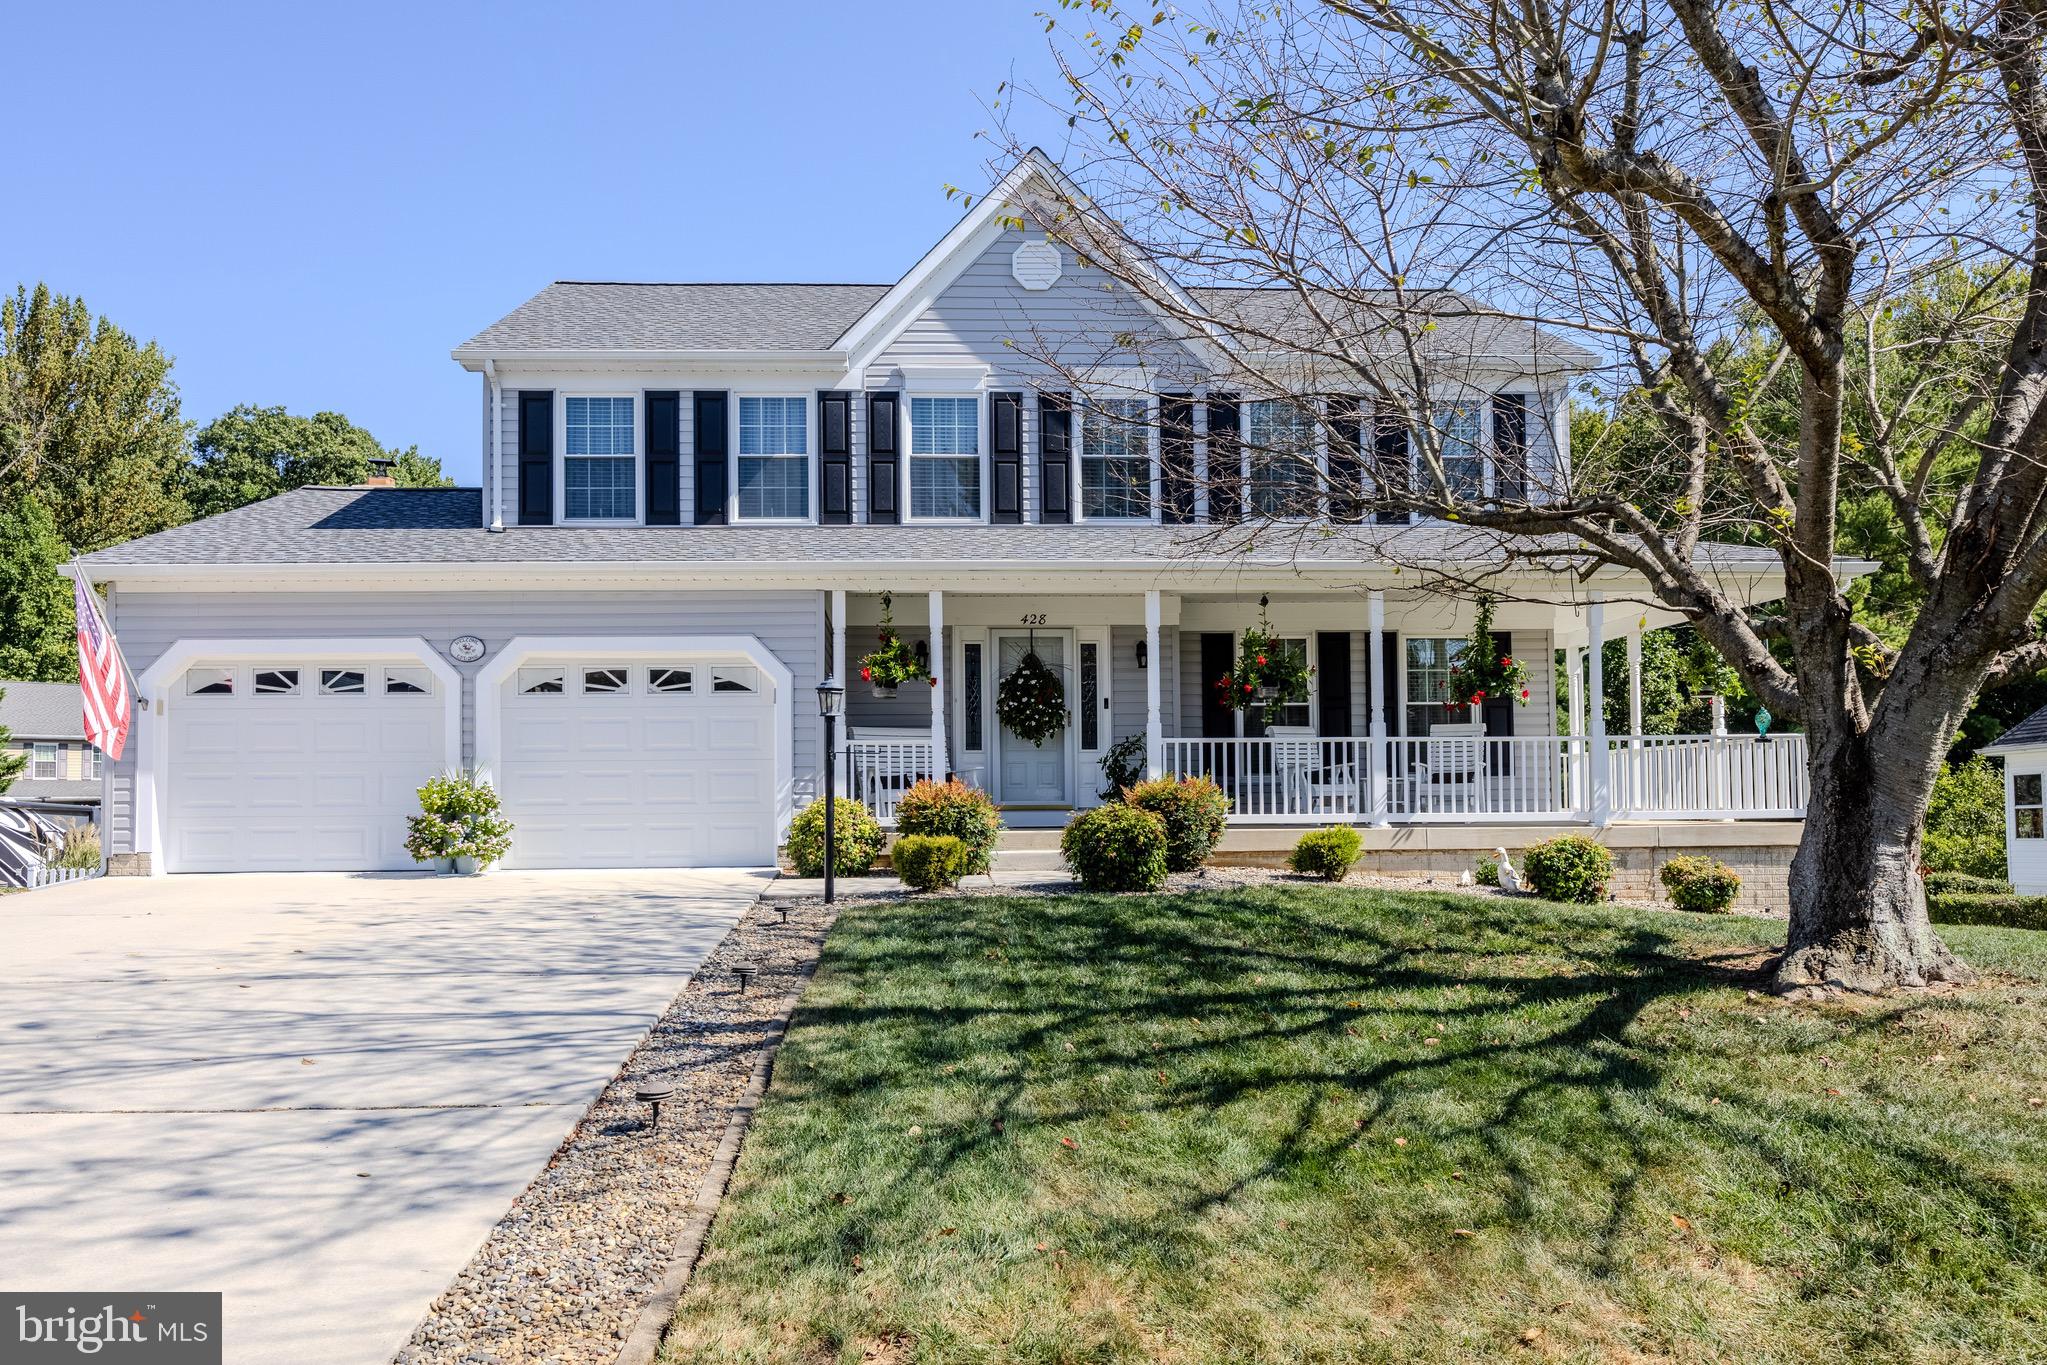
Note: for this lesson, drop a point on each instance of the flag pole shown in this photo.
(92, 594)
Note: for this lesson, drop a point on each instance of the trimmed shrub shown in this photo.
(1570, 867)
(856, 839)
(1326, 853)
(953, 808)
(2010, 912)
(1116, 848)
(1193, 809)
(1697, 883)
(458, 818)
(1965, 884)
(1488, 871)
(927, 862)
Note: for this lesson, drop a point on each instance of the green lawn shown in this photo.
(1298, 1124)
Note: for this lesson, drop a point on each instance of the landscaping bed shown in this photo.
(562, 1277)
(1262, 1123)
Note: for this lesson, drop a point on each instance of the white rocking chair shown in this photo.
(1454, 764)
(1303, 777)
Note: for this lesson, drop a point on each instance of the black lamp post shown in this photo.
(831, 703)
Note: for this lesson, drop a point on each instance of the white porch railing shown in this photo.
(1541, 778)
(39, 877)
(879, 771)
(1710, 776)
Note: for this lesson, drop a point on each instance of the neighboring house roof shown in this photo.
(598, 315)
(396, 526)
(40, 710)
(2032, 730)
(70, 791)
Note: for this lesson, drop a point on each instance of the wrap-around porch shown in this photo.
(1376, 742)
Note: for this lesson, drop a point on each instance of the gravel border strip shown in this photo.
(658, 1313)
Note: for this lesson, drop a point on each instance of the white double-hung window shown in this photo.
(1280, 438)
(945, 459)
(599, 460)
(1115, 459)
(774, 459)
(1457, 439)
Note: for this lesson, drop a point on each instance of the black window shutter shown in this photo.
(1055, 458)
(1005, 457)
(1389, 668)
(712, 423)
(1332, 682)
(1218, 652)
(1390, 468)
(1176, 457)
(884, 458)
(835, 458)
(1510, 446)
(1346, 458)
(664, 457)
(1225, 460)
(1499, 711)
(536, 457)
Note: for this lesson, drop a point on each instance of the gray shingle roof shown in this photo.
(593, 315)
(39, 710)
(77, 791)
(1453, 326)
(386, 526)
(2031, 730)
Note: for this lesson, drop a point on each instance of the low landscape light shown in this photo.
(654, 1093)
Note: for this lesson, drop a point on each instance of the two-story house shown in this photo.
(60, 774)
(699, 500)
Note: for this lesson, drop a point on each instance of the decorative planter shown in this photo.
(884, 693)
(469, 867)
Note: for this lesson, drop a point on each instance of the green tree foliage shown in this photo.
(1965, 820)
(89, 421)
(252, 453)
(37, 638)
(11, 763)
(1680, 671)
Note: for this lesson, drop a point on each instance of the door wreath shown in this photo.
(1031, 701)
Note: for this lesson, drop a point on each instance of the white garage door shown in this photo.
(639, 763)
(299, 765)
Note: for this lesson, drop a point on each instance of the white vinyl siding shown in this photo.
(945, 459)
(773, 480)
(1115, 459)
(599, 460)
(1280, 440)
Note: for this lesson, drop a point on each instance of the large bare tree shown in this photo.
(1731, 203)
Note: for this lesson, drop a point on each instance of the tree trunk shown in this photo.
(1858, 903)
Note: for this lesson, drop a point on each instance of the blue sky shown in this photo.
(310, 205)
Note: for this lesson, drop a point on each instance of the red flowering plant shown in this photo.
(1268, 671)
(1482, 671)
(891, 663)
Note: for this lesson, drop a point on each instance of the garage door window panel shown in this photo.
(343, 682)
(735, 679)
(542, 681)
(606, 681)
(276, 682)
(210, 682)
(670, 680)
(408, 682)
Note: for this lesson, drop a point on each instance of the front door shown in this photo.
(1028, 775)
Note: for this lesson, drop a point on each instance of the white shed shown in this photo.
(2024, 751)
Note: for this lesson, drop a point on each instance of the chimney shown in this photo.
(380, 473)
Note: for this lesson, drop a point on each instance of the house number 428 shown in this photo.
(1034, 618)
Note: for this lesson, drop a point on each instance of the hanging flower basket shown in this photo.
(1031, 701)
(1481, 671)
(1265, 674)
(891, 663)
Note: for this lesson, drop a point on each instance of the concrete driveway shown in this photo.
(316, 1092)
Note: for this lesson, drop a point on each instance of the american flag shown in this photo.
(102, 675)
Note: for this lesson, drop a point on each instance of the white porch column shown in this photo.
(837, 668)
(1600, 804)
(1635, 682)
(940, 764)
(1154, 664)
(1574, 689)
(1378, 761)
